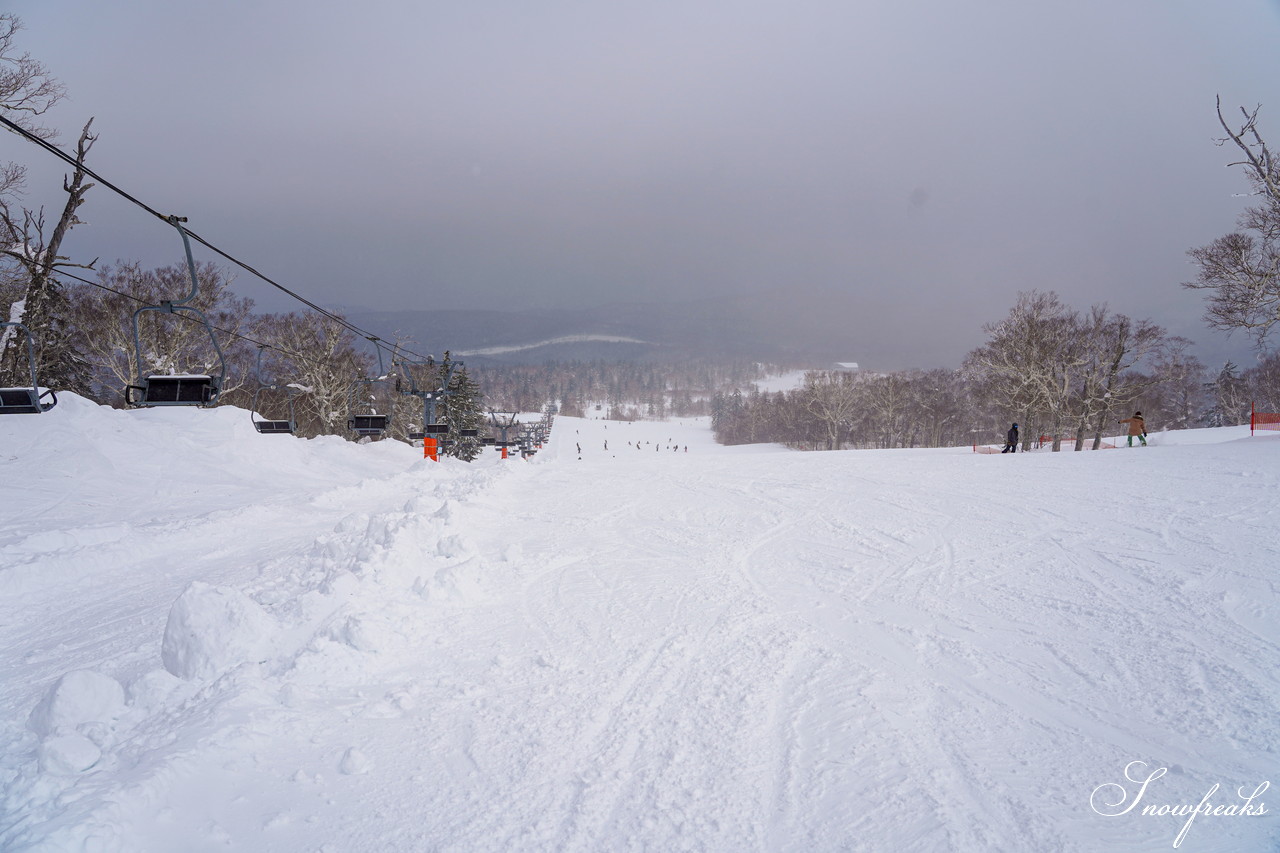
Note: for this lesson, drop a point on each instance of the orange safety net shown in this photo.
(1266, 420)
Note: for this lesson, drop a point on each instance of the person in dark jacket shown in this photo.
(1011, 440)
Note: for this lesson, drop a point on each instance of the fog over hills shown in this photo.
(782, 326)
(802, 327)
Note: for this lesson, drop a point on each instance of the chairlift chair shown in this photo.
(367, 423)
(430, 431)
(263, 425)
(181, 389)
(26, 401)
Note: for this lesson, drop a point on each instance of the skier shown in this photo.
(1138, 427)
(1011, 440)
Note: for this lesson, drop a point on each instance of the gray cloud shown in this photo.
(928, 158)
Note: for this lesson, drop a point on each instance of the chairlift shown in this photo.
(262, 425)
(430, 431)
(430, 398)
(26, 401)
(180, 389)
(368, 423)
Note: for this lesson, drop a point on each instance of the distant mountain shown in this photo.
(786, 326)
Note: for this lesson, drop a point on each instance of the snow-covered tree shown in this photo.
(320, 357)
(463, 409)
(831, 398)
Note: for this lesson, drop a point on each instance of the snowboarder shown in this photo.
(1011, 440)
(1138, 427)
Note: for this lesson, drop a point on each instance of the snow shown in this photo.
(212, 630)
(563, 339)
(787, 381)
(213, 639)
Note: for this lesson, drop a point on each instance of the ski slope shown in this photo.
(218, 640)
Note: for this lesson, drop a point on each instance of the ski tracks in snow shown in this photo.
(691, 652)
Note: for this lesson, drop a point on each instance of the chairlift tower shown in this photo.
(503, 422)
(430, 397)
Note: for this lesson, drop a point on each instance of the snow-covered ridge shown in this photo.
(566, 339)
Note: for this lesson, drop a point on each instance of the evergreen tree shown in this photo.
(463, 409)
(1228, 395)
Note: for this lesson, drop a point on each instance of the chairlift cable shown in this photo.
(228, 332)
(62, 155)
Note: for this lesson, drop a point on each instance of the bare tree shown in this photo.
(1034, 358)
(27, 91)
(940, 404)
(1114, 345)
(1178, 393)
(43, 307)
(317, 354)
(1241, 271)
(888, 402)
(1264, 383)
(831, 399)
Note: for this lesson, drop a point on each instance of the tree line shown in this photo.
(1064, 376)
(615, 390)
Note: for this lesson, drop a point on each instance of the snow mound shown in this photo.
(355, 763)
(67, 755)
(213, 629)
(79, 697)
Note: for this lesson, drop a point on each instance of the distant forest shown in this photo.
(1066, 377)
(1060, 373)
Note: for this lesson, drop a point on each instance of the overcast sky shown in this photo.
(925, 158)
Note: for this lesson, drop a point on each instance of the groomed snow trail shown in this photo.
(653, 649)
